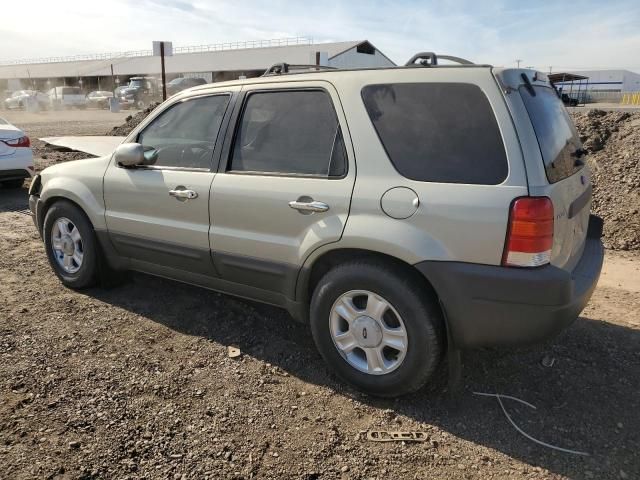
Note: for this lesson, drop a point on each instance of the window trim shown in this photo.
(219, 140)
(235, 123)
(386, 151)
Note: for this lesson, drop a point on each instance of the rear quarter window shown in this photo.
(438, 132)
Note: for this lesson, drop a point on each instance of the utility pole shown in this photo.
(161, 49)
(164, 78)
(550, 68)
(518, 60)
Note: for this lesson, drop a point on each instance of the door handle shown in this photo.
(310, 206)
(183, 194)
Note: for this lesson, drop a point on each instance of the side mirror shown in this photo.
(129, 155)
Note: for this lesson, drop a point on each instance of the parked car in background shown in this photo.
(178, 84)
(569, 100)
(140, 92)
(466, 223)
(99, 99)
(16, 157)
(21, 98)
(117, 92)
(67, 97)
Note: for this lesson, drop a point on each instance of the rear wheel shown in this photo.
(377, 327)
(71, 245)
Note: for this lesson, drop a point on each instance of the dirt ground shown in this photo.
(134, 381)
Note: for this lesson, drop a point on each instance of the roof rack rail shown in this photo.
(430, 59)
(280, 68)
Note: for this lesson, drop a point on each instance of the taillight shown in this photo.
(530, 233)
(22, 142)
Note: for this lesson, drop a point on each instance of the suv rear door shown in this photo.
(555, 166)
(284, 184)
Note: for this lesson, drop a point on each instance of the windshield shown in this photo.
(557, 136)
(136, 83)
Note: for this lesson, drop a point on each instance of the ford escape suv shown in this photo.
(403, 212)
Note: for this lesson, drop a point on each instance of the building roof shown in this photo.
(565, 77)
(230, 59)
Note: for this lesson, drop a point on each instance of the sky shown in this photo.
(576, 35)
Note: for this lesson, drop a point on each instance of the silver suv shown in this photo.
(402, 212)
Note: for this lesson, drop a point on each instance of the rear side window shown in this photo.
(438, 132)
(71, 90)
(289, 132)
(557, 136)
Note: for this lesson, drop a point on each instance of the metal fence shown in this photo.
(214, 47)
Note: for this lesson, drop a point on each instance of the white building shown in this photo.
(213, 62)
(609, 81)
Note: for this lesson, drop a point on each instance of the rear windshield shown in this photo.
(70, 90)
(438, 132)
(557, 136)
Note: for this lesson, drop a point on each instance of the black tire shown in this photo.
(87, 275)
(410, 297)
(13, 183)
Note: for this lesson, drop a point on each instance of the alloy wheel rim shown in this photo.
(67, 245)
(368, 332)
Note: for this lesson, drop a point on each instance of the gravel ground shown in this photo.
(613, 142)
(135, 381)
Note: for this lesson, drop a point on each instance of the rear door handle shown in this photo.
(311, 206)
(183, 194)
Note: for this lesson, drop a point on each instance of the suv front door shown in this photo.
(158, 215)
(284, 184)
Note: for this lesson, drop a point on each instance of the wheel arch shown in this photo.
(48, 203)
(76, 192)
(311, 274)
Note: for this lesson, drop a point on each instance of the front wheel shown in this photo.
(71, 245)
(377, 327)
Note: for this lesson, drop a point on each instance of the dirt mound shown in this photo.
(132, 121)
(613, 142)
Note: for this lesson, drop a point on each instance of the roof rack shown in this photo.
(430, 59)
(280, 68)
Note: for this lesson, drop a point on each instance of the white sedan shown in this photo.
(16, 157)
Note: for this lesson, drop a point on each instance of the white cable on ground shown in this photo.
(505, 396)
(522, 432)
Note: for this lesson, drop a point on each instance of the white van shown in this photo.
(67, 97)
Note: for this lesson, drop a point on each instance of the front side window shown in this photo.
(438, 132)
(289, 132)
(185, 134)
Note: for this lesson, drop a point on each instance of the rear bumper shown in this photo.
(498, 306)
